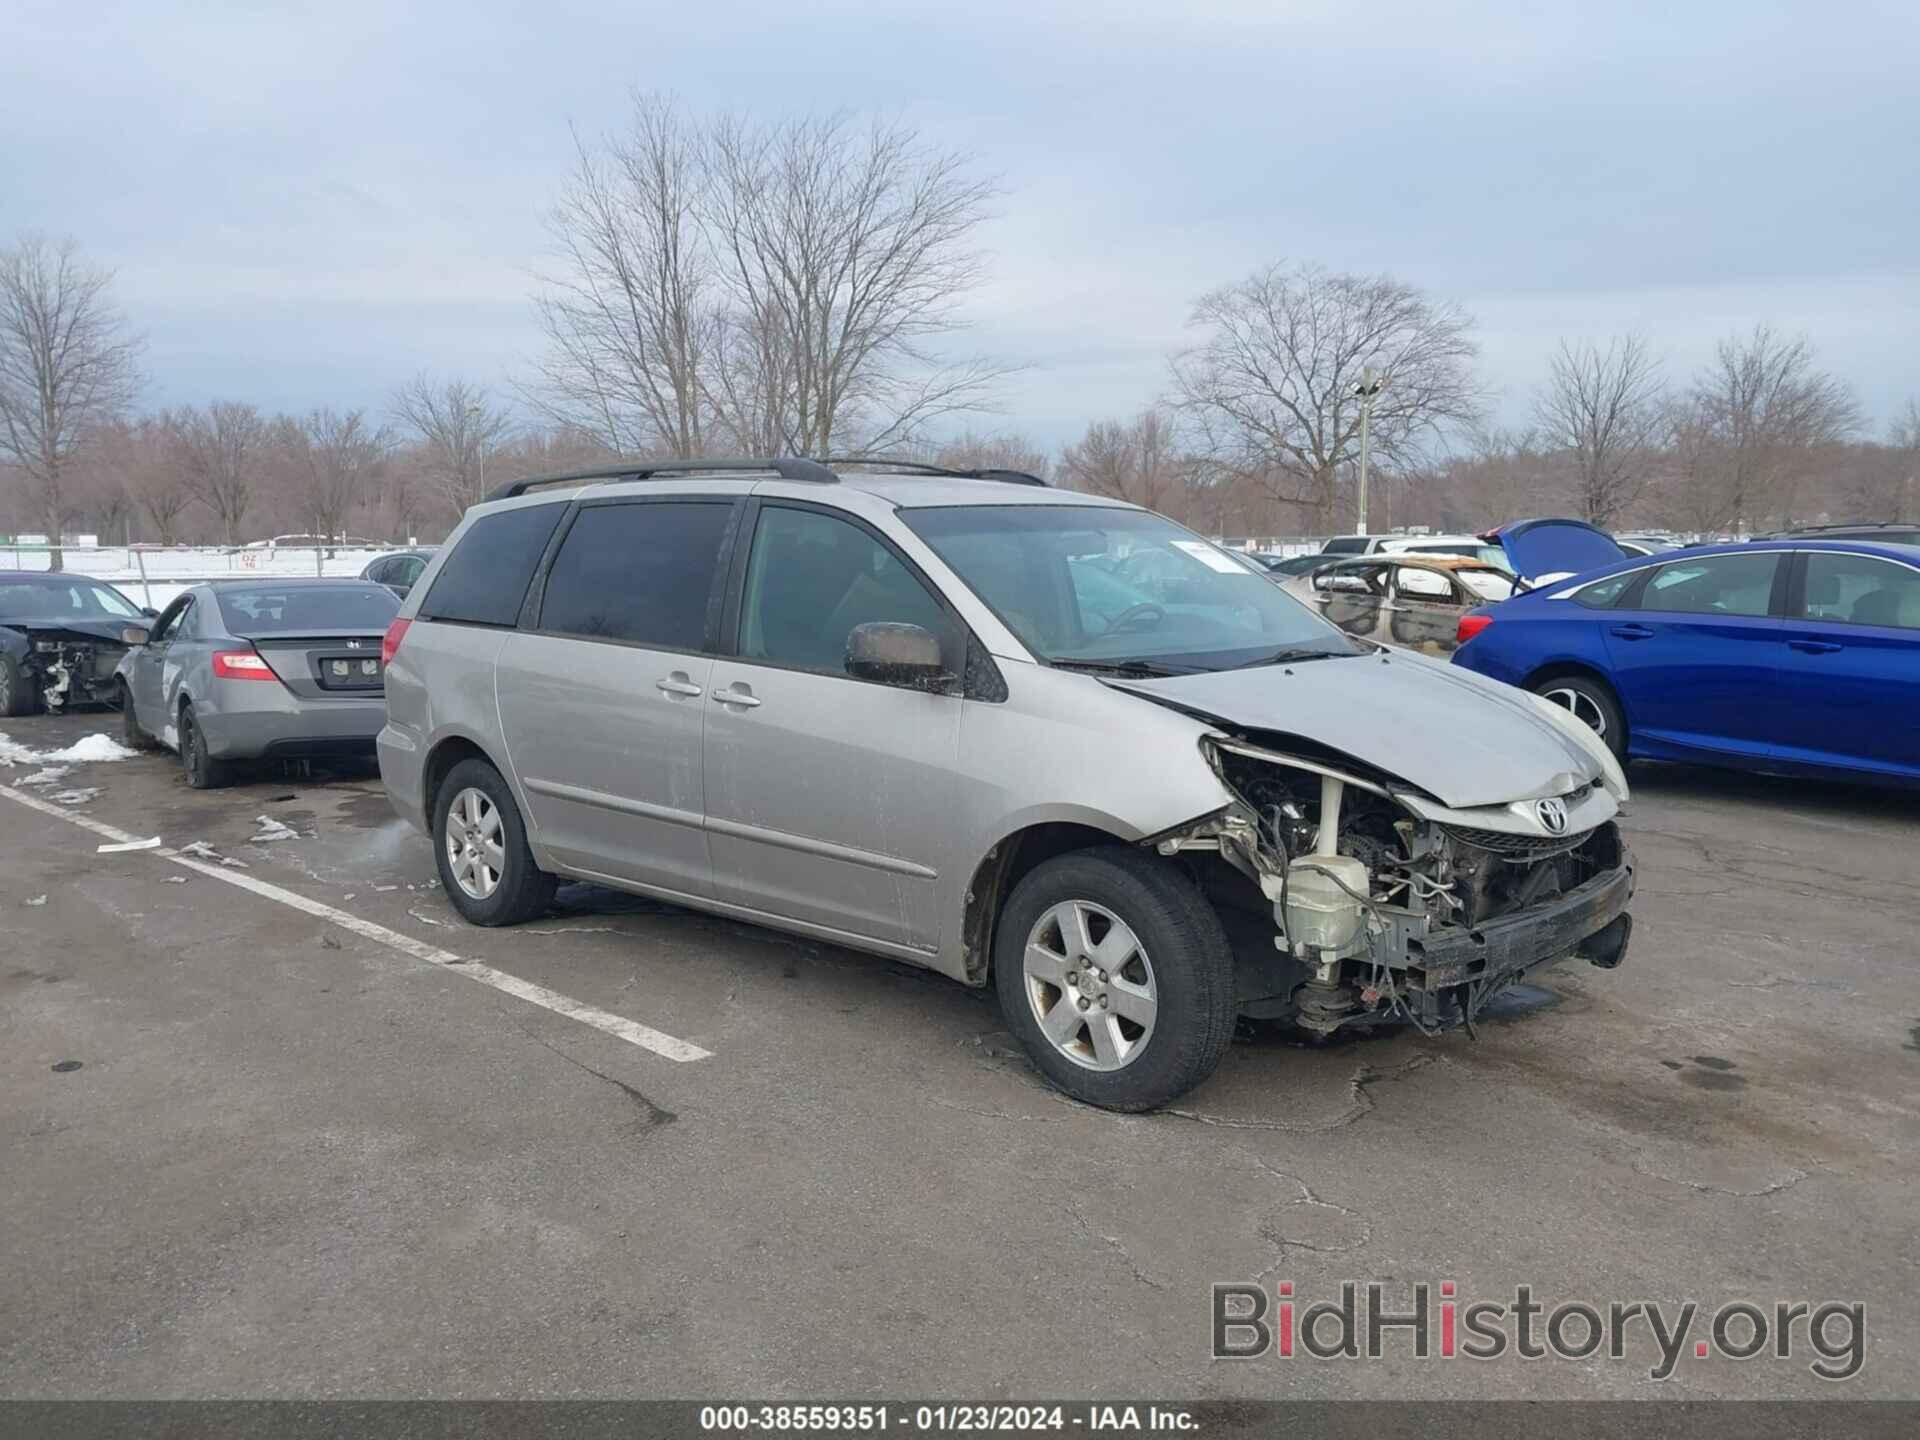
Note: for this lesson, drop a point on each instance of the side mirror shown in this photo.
(134, 635)
(149, 612)
(894, 654)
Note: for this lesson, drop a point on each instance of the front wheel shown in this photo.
(131, 732)
(1592, 703)
(16, 689)
(1114, 972)
(480, 841)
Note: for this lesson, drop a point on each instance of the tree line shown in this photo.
(719, 285)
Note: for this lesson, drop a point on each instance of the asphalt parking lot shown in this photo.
(298, 1159)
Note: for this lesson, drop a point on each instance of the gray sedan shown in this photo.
(257, 669)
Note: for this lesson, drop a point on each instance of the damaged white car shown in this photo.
(1042, 741)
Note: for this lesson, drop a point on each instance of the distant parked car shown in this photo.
(1473, 547)
(398, 569)
(1888, 532)
(1285, 565)
(1412, 601)
(1648, 544)
(1780, 655)
(244, 669)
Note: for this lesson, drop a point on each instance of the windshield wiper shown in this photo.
(1298, 653)
(1145, 668)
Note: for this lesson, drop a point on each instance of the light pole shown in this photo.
(1370, 385)
(473, 415)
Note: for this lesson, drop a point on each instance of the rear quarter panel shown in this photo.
(440, 686)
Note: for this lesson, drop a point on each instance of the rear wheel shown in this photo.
(1592, 703)
(134, 737)
(1114, 972)
(203, 771)
(16, 689)
(480, 842)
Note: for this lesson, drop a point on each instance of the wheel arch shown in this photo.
(1008, 862)
(447, 752)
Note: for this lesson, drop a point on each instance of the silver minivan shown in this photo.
(1032, 739)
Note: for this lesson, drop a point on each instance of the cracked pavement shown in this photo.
(294, 1162)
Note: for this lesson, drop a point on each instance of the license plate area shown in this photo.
(349, 670)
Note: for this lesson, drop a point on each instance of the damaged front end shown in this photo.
(1353, 898)
(64, 668)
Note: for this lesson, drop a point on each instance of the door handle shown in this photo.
(1633, 632)
(737, 695)
(1814, 647)
(676, 684)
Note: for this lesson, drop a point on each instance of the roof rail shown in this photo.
(920, 467)
(786, 467)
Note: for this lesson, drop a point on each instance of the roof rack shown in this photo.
(919, 467)
(786, 467)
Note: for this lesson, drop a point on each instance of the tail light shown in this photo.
(241, 665)
(1470, 626)
(390, 642)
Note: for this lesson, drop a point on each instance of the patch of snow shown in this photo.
(271, 830)
(38, 900)
(93, 749)
(49, 776)
(73, 797)
(201, 849)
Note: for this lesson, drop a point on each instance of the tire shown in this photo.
(131, 735)
(203, 771)
(1178, 949)
(1592, 701)
(17, 695)
(519, 890)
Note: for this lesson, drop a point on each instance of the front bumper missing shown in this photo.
(1438, 979)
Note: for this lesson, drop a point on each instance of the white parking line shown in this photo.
(632, 1031)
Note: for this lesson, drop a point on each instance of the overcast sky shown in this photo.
(307, 204)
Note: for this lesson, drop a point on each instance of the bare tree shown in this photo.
(845, 252)
(1761, 406)
(459, 427)
(1270, 386)
(1003, 451)
(220, 447)
(1136, 460)
(632, 311)
(149, 456)
(340, 455)
(1606, 409)
(67, 365)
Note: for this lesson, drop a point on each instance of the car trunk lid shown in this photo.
(325, 664)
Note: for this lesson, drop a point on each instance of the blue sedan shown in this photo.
(1793, 656)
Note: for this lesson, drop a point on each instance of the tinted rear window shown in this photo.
(1345, 545)
(485, 580)
(641, 572)
(298, 609)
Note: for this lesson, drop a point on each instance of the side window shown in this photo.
(380, 572)
(1713, 585)
(811, 578)
(405, 570)
(1606, 594)
(1418, 584)
(641, 572)
(1861, 590)
(168, 626)
(484, 581)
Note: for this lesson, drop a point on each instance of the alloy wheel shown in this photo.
(1090, 985)
(476, 849)
(1583, 707)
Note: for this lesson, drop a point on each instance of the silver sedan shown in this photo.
(257, 669)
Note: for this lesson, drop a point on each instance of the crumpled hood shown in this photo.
(1461, 737)
(99, 629)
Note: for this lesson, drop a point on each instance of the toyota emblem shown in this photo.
(1552, 815)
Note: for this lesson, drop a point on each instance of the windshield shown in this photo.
(294, 609)
(1086, 583)
(46, 598)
